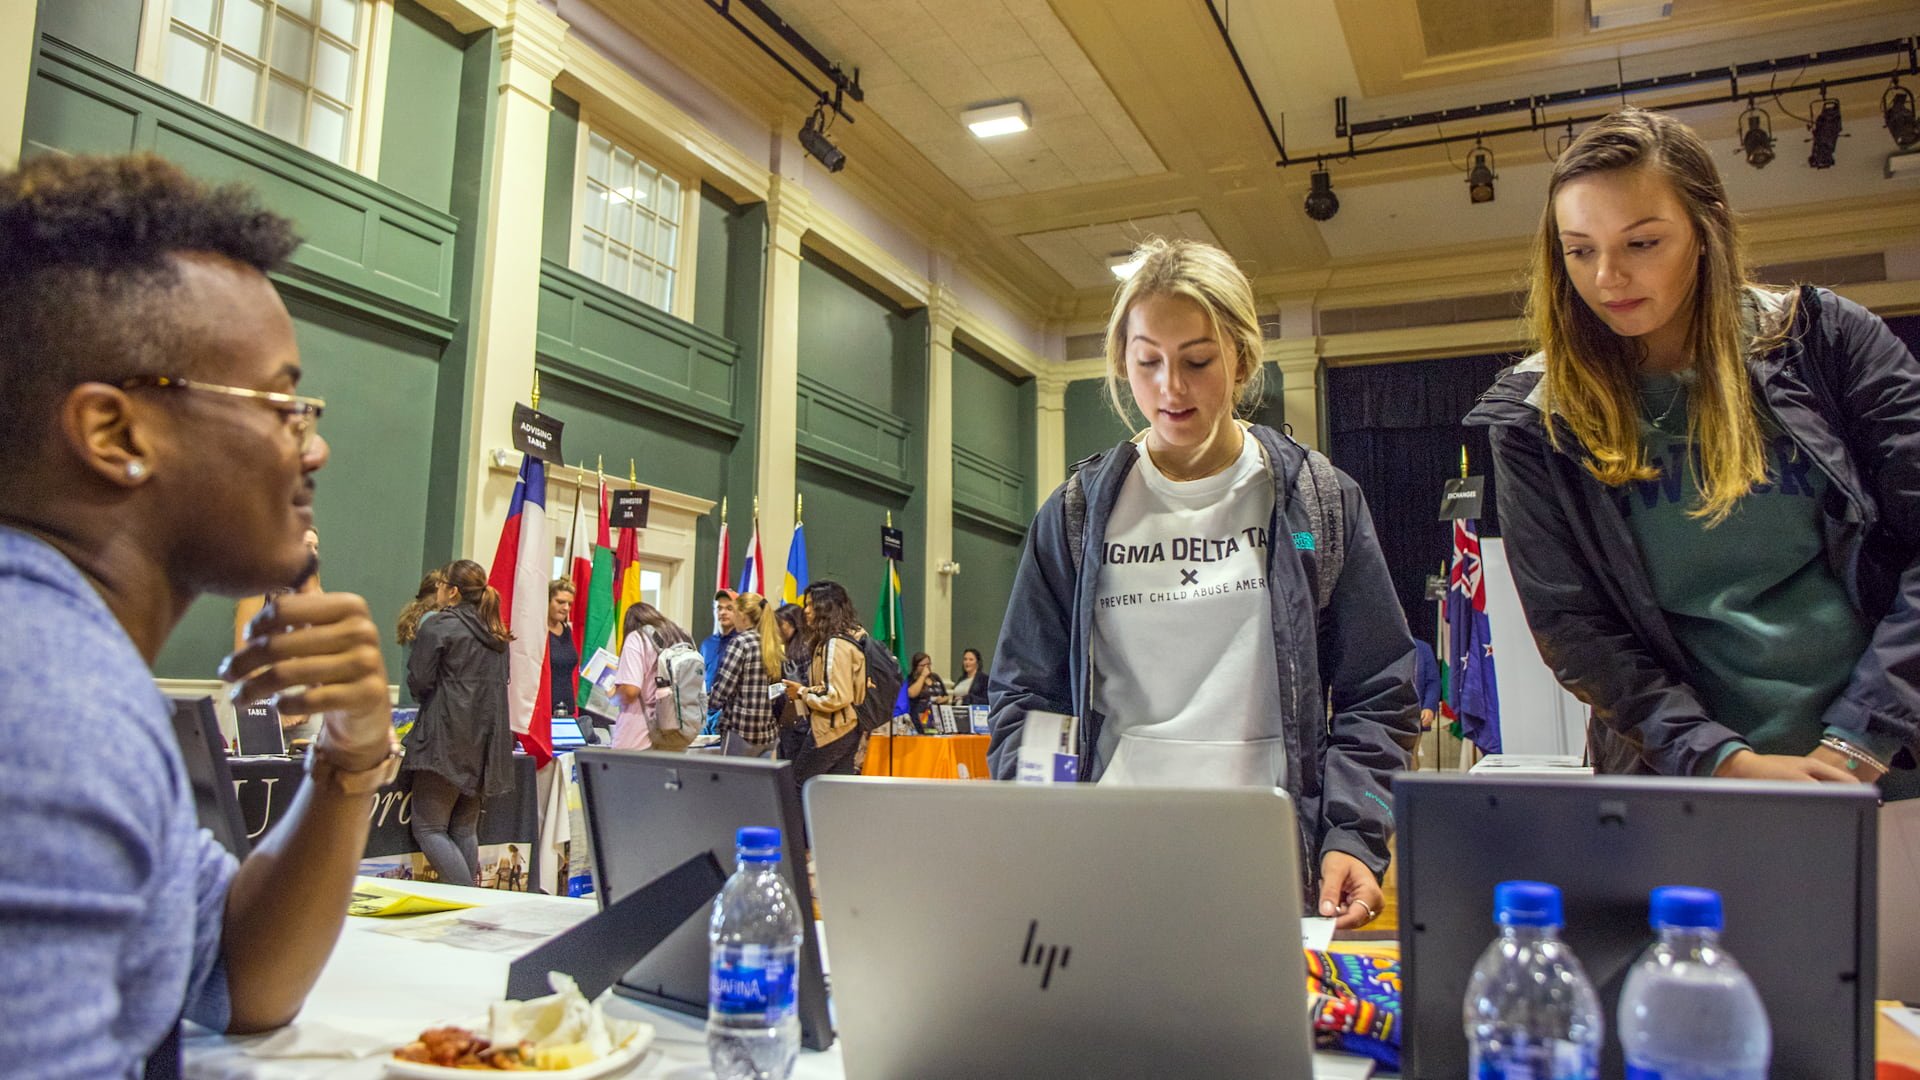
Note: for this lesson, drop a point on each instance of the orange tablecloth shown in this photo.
(935, 757)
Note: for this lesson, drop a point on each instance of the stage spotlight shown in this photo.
(1826, 134)
(1896, 107)
(1322, 204)
(813, 139)
(1757, 141)
(1480, 175)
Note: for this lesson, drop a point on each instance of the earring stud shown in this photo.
(136, 470)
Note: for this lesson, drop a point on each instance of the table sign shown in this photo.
(893, 543)
(536, 433)
(630, 507)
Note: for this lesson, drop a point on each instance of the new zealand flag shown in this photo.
(1471, 689)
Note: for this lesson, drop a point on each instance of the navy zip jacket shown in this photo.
(1357, 652)
(1848, 392)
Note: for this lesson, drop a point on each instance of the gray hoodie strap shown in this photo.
(1073, 501)
(1317, 487)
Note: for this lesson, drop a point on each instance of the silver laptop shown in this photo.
(1073, 931)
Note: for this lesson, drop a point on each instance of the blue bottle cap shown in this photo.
(1526, 903)
(758, 843)
(1683, 907)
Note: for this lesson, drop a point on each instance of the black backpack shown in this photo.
(874, 703)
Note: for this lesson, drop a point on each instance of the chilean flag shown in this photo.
(522, 565)
(1472, 690)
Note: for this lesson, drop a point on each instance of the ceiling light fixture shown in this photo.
(1826, 131)
(999, 118)
(1322, 203)
(1480, 174)
(1124, 264)
(1896, 108)
(1756, 141)
(813, 139)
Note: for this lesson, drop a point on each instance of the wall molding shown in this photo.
(1009, 485)
(868, 444)
(666, 364)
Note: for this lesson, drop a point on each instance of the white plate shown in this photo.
(617, 1061)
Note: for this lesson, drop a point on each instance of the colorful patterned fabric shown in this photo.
(1355, 1003)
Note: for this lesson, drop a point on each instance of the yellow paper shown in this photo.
(383, 901)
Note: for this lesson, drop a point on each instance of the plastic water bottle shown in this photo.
(753, 1019)
(1688, 1012)
(1530, 1013)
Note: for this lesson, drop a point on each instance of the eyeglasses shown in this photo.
(301, 413)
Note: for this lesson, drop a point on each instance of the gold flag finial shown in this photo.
(600, 465)
(1463, 461)
(797, 499)
(633, 474)
(723, 509)
(756, 509)
(889, 519)
(536, 389)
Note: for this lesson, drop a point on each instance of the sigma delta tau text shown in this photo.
(1187, 549)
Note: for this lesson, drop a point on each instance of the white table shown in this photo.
(383, 985)
(393, 987)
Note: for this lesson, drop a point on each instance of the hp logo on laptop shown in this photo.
(1034, 954)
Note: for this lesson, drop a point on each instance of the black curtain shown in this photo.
(1395, 428)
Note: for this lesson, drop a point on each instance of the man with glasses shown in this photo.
(153, 448)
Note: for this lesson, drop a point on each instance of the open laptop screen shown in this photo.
(205, 755)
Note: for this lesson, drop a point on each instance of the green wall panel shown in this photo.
(988, 558)
(727, 268)
(848, 336)
(370, 502)
(843, 520)
(839, 431)
(987, 417)
(366, 245)
(109, 29)
(682, 457)
(620, 346)
(421, 121)
(563, 140)
(1090, 423)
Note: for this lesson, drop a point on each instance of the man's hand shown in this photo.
(1426, 719)
(1349, 891)
(320, 652)
(1747, 765)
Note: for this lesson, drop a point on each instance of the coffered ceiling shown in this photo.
(1142, 125)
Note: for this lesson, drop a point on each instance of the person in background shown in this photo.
(292, 725)
(751, 665)
(563, 657)
(1201, 644)
(460, 750)
(836, 678)
(714, 648)
(795, 735)
(971, 689)
(924, 688)
(429, 598)
(1426, 682)
(1709, 488)
(155, 450)
(644, 634)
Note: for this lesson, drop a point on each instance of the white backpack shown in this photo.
(680, 715)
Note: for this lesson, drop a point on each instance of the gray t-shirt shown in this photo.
(111, 895)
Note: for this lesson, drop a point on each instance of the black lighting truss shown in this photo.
(844, 85)
(1534, 106)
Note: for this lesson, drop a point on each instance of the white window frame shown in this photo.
(369, 89)
(688, 246)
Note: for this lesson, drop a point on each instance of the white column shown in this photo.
(16, 72)
(1049, 436)
(789, 212)
(1299, 365)
(506, 323)
(937, 630)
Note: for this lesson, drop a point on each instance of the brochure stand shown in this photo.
(600, 950)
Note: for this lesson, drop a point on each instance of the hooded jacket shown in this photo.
(458, 673)
(1356, 654)
(1848, 393)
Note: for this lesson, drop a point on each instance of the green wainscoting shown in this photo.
(988, 557)
(598, 338)
(993, 421)
(841, 433)
(369, 500)
(367, 247)
(1090, 423)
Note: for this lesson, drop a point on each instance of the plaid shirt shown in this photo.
(740, 690)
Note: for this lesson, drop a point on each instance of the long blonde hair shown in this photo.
(1207, 276)
(424, 601)
(759, 615)
(1592, 373)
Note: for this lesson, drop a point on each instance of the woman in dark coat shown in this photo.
(460, 750)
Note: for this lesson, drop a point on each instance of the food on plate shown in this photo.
(560, 1031)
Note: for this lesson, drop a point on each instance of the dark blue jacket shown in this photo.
(1426, 675)
(1848, 393)
(1356, 654)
